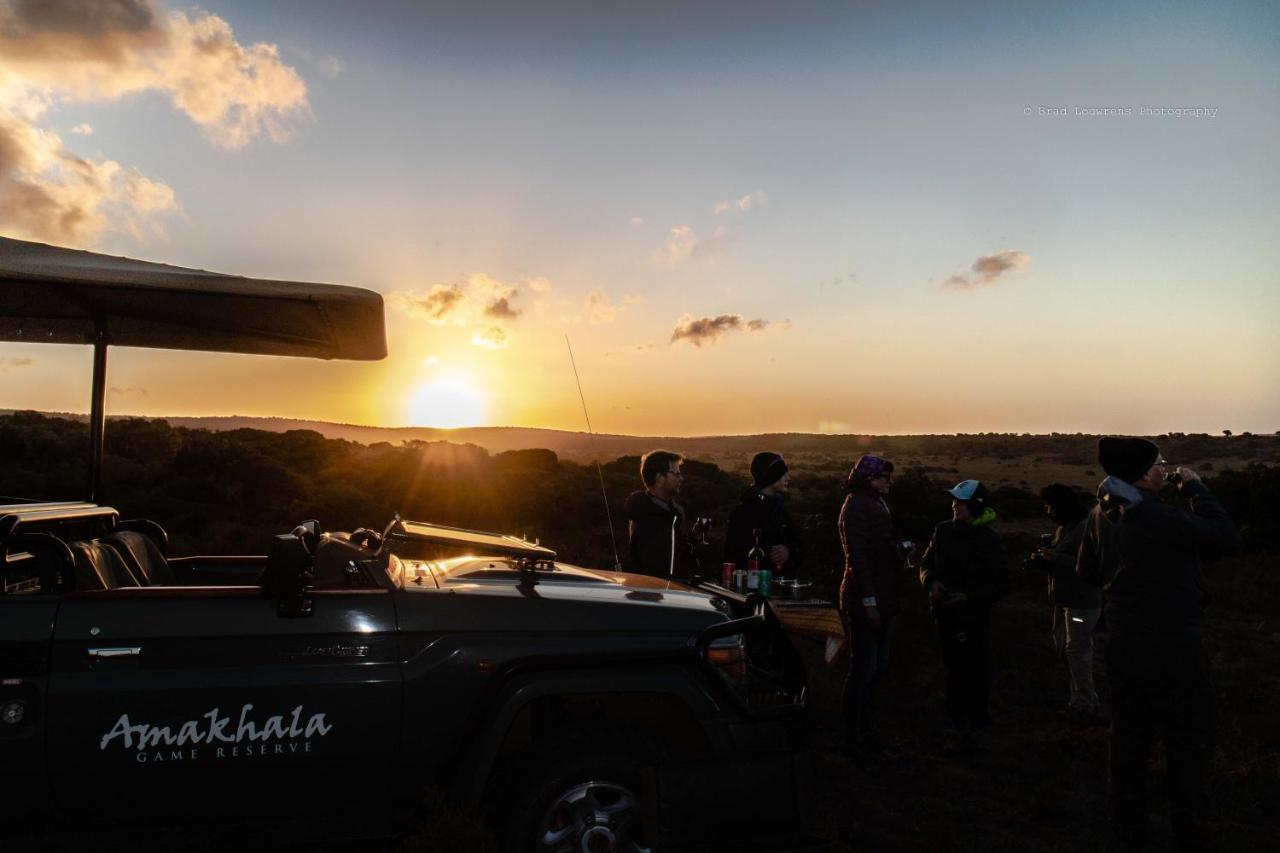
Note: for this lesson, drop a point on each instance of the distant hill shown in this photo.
(732, 452)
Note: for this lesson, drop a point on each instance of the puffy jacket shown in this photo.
(872, 563)
(658, 545)
(1151, 556)
(768, 514)
(967, 557)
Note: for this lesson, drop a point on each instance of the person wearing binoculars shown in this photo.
(1149, 555)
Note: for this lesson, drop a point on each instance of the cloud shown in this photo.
(700, 330)
(500, 309)
(128, 392)
(49, 193)
(491, 338)
(538, 285)
(436, 306)
(741, 204)
(83, 129)
(684, 244)
(637, 220)
(988, 269)
(7, 364)
(601, 310)
(59, 51)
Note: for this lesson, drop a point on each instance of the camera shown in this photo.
(1173, 478)
(1033, 562)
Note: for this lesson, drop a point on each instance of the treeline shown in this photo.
(229, 492)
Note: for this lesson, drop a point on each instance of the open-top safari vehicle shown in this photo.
(315, 692)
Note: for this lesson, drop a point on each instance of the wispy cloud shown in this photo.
(600, 309)
(637, 220)
(494, 337)
(436, 306)
(83, 129)
(59, 51)
(7, 364)
(700, 330)
(742, 204)
(684, 244)
(118, 391)
(988, 269)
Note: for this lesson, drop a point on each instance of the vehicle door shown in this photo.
(26, 630)
(217, 701)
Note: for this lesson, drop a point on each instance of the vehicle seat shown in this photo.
(142, 556)
(97, 566)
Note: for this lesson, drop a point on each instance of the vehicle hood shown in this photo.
(567, 597)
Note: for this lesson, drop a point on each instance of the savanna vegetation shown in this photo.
(1040, 787)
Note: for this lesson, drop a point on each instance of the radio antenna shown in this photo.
(591, 442)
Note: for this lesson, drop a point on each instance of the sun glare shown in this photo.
(449, 400)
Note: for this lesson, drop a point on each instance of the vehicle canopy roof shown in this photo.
(50, 294)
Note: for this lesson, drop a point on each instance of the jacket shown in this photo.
(659, 544)
(967, 557)
(768, 514)
(1150, 557)
(1066, 587)
(873, 565)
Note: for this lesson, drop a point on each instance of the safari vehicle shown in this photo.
(317, 691)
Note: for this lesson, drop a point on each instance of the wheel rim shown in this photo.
(593, 817)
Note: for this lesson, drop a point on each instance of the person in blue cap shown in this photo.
(965, 570)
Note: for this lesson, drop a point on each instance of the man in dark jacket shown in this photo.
(658, 541)
(763, 508)
(1150, 557)
(1076, 603)
(869, 591)
(965, 570)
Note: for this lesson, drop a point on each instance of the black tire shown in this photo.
(566, 796)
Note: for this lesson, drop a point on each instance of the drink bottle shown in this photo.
(756, 560)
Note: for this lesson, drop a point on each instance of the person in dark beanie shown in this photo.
(762, 506)
(965, 571)
(1150, 556)
(659, 543)
(873, 570)
(1077, 604)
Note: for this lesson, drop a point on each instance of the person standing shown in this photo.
(658, 541)
(762, 507)
(1151, 555)
(868, 592)
(965, 571)
(1076, 603)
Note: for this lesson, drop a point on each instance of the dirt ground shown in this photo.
(1041, 784)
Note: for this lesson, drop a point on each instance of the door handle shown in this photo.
(116, 652)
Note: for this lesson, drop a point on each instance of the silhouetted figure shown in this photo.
(873, 570)
(965, 571)
(659, 543)
(763, 507)
(1076, 603)
(1150, 555)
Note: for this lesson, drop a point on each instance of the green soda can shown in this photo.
(766, 582)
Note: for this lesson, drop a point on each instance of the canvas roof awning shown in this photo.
(50, 294)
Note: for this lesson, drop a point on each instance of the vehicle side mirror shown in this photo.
(288, 574)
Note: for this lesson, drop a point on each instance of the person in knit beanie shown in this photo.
(1149, 557)
(762, 507)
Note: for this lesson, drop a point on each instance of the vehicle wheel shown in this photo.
(583, 803)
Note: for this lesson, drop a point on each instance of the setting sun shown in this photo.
(449, 400)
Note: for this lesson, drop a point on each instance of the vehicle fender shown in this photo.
(495, 717)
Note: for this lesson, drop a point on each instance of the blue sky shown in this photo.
(859, 157)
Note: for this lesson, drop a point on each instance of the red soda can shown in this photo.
(726, 575)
